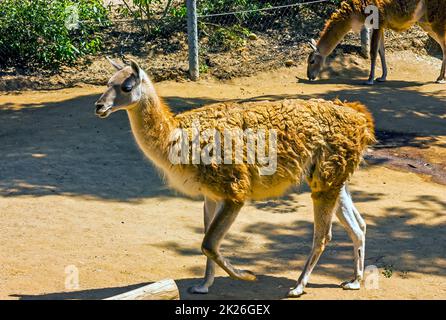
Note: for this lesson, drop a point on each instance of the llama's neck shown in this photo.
(335, 30)
(152, 123)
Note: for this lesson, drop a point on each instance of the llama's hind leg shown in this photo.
(210, 208)
(442, 77)
(382, 56)
(225, 216)
(355, 226)
(377, 37)
(324, 204)
(437, 33)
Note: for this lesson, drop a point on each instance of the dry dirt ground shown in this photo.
(74, 190)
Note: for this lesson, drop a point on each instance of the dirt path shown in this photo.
(74, 190)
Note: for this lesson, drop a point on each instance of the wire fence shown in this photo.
(252, 33)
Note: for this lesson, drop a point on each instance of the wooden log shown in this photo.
(162, 290)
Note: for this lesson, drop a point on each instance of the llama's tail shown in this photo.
(358, 106)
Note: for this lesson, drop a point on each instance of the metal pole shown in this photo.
(192, 33)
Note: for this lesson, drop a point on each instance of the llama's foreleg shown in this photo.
(374, 49)
(324, 204)
(226, 214)
(209, 210)
(355, 227)
(382, 56)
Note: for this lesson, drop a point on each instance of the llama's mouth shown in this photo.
(104, 112)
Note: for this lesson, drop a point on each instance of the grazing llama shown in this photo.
(398, 15)
(322, 141)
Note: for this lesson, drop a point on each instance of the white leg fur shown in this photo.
(210, 208)
(355, 226)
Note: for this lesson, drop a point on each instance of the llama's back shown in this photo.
(398, 15)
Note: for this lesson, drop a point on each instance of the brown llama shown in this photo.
(398, 15)
(322, 141)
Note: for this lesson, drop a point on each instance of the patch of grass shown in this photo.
(388, 271)
(204, 68)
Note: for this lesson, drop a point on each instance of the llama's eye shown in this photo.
(127, 88)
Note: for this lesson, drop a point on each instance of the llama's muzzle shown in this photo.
(102, 110)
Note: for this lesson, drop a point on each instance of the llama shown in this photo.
(322, 141)
(398, 15)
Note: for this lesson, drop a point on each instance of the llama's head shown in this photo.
(124, 89)
(315, 62)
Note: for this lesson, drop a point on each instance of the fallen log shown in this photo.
(162, 290)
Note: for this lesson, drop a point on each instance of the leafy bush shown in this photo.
(34, 33)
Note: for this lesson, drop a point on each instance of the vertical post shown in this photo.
(192, 33)
(365, 41)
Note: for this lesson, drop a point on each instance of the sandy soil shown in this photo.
(74, 190)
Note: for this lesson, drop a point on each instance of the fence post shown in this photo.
(365, 41)
(192, 34)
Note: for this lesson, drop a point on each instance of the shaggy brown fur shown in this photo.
(398, 15)
(315, 138)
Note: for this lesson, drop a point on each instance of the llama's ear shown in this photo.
(114, 64)
(313, 44)
(136, 69)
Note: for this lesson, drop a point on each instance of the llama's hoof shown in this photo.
(381, 79)
(296, 292)
(369, 82)
(351, 285)
(441, 81)
(244, 275)
(199, 289)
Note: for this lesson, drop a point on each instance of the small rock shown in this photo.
(417, 43)
(253, 36)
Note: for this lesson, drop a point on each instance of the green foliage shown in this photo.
(34, 33)
(204, 68)
(388, 271)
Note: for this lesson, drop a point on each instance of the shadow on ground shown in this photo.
(394, 242)
(397, 239)
(62, 148)
(266, 287)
